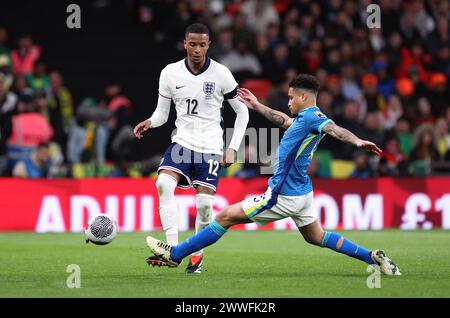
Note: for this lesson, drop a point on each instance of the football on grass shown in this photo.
(101, 229)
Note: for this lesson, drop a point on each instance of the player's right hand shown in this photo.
(248, 98)
(369, 146)
(141, 127)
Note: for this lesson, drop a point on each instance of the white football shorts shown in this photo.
(261, 210)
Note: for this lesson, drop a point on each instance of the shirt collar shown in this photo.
(202, 70)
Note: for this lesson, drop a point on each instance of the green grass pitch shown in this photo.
(241, 264)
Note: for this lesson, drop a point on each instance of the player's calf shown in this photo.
(340, 244)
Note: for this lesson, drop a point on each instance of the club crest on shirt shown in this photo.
(320, 114)
(208, 88)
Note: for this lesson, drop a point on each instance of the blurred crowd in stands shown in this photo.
(42, 133)
(389, 85)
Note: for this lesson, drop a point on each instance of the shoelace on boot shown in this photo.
(165, 246)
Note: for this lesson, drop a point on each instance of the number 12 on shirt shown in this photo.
(194, 106)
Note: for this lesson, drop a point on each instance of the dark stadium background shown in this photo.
(111, 46)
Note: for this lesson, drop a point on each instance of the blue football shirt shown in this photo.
(295, 152)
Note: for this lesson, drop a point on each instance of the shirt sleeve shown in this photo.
(161, 113)
(317, 120)
(230, 85)
(240, 124)
(164, 89)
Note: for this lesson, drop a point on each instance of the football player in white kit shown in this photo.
(198, 86)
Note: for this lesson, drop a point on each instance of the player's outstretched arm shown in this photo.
(345, 135)
(250, 100)
(158, 118)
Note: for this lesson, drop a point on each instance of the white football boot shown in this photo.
(387, 266)
(162, 250)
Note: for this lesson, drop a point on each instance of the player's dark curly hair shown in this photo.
(306, 81)
(197, 28)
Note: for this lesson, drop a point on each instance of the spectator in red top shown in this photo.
(392, 152)
(25, 56)
(413, 56)
(392, 162)
(29, 128)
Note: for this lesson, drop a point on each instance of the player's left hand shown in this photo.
(228, 158)
(369, 146)
(140, 128)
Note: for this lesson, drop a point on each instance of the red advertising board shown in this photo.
(65, 205)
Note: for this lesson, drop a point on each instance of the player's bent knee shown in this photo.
(222, 217)
(225, 218)
(312, 237)
(312, 233)
(231, 215)
(314, 240)
(166, 184)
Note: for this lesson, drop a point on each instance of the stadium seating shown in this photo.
(259, 87)
(341, 169)
(325, 158)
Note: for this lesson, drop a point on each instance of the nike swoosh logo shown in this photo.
(178, 87)
(208, 179)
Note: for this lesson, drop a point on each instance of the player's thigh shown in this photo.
(260, 210)
(206, 171)
(306, 218)
(232, 215)
(265, 208)
(176, 162)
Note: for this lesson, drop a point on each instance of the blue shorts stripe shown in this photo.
(268, 205)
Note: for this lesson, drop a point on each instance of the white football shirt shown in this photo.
(198, 102)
